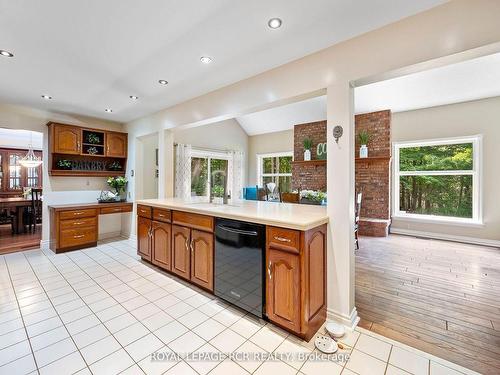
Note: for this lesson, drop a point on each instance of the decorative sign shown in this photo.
(321, 151)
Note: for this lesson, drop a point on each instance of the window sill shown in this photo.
(439, 220)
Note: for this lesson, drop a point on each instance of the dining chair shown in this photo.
(356, 221)
(33, 215)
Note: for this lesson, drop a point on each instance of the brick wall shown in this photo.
(373, 176)
(308, 176)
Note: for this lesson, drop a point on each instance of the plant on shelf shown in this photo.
(117, 183)
(307, 143)
(364, 138)
(115, 166)
(64, 164)
(312, 196)
(93, 139)
(92, 150)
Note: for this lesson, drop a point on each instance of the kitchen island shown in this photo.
(178, 236)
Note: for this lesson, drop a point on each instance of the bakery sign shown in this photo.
(321, 151)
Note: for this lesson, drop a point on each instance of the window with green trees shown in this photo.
(438, 179)
(277, 168)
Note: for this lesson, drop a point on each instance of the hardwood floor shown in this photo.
(10, 243)
(437, 296)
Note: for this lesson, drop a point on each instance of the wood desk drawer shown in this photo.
(78, 223)
(115, 210)
(161, 214)
(77, 214)
(76, 237)
(195, 221)
(284, 239)
(144, 211)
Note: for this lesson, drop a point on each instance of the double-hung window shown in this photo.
(277, 168)
(438, 180)
(208, 171)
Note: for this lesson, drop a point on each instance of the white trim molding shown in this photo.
(44, 244)
(446, 237)
(350, 321)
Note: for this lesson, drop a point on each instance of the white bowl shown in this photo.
(325, 344)
(335, 330)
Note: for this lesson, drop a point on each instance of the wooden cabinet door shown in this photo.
(116, 145)
(283, 288)
(181, 254)
(202, 259)
(144, 237)
(160, 240)
(67, 139)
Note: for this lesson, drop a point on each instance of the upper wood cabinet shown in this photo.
(116, 145)
(66, 139)
(79, 151)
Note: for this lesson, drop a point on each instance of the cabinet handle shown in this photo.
(187, 246)
(161, 215)
(269, 270)
(78, 145)
(150, 232)
(80, 236)
(77, 213)
(107, 149)
(191, 245)
(282, 239)
(78, 223)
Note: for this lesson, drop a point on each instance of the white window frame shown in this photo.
(207, 154)
(260, 159)
(476, 173)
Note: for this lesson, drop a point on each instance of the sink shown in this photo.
(212, 205)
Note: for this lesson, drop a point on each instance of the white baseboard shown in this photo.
(350, 321)
(447, 237)
(104, 236)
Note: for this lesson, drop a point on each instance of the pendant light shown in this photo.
(30, 160)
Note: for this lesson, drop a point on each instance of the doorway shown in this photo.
(21, 192)
(147, 167)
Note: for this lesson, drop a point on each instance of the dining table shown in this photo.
(18, 204)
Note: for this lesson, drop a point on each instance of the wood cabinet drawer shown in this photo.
(144, 211)
(78, 223)
(195, 221)
(77, 214)
(77, 237)
(161, 214)
(284, 239)
(115, 210)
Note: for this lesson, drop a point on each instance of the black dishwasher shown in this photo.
(239, 264)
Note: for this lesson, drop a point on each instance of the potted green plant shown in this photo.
(115, 166)
(312, 197)
(93, 139)
(364, 138)
(307, 143)
(64, 164)
(118, 183)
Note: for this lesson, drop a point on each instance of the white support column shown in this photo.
(165, 164)
(340, 182)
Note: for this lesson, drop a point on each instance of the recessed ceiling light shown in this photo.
(109, 110)
(46, 97)
(133, 97)
(274, 23)
(206, 59)
(6, 53)
(162, 82)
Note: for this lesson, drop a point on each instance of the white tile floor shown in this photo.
(103, 311)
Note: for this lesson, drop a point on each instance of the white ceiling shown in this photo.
(93, 54)
(470, 80)
(16, 138)
(284, 117)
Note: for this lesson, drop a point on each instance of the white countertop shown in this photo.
(286, 215)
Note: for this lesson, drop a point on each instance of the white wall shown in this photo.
(149, 167)
(55, 189)
(263, 144)
(17, 138)
(449, 33)
(455, 120)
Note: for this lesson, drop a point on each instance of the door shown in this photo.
(202, 259)
(160, 241)
(67, 139)
(283, 288)
(116, 145)
(144, 237)
(181, 254)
